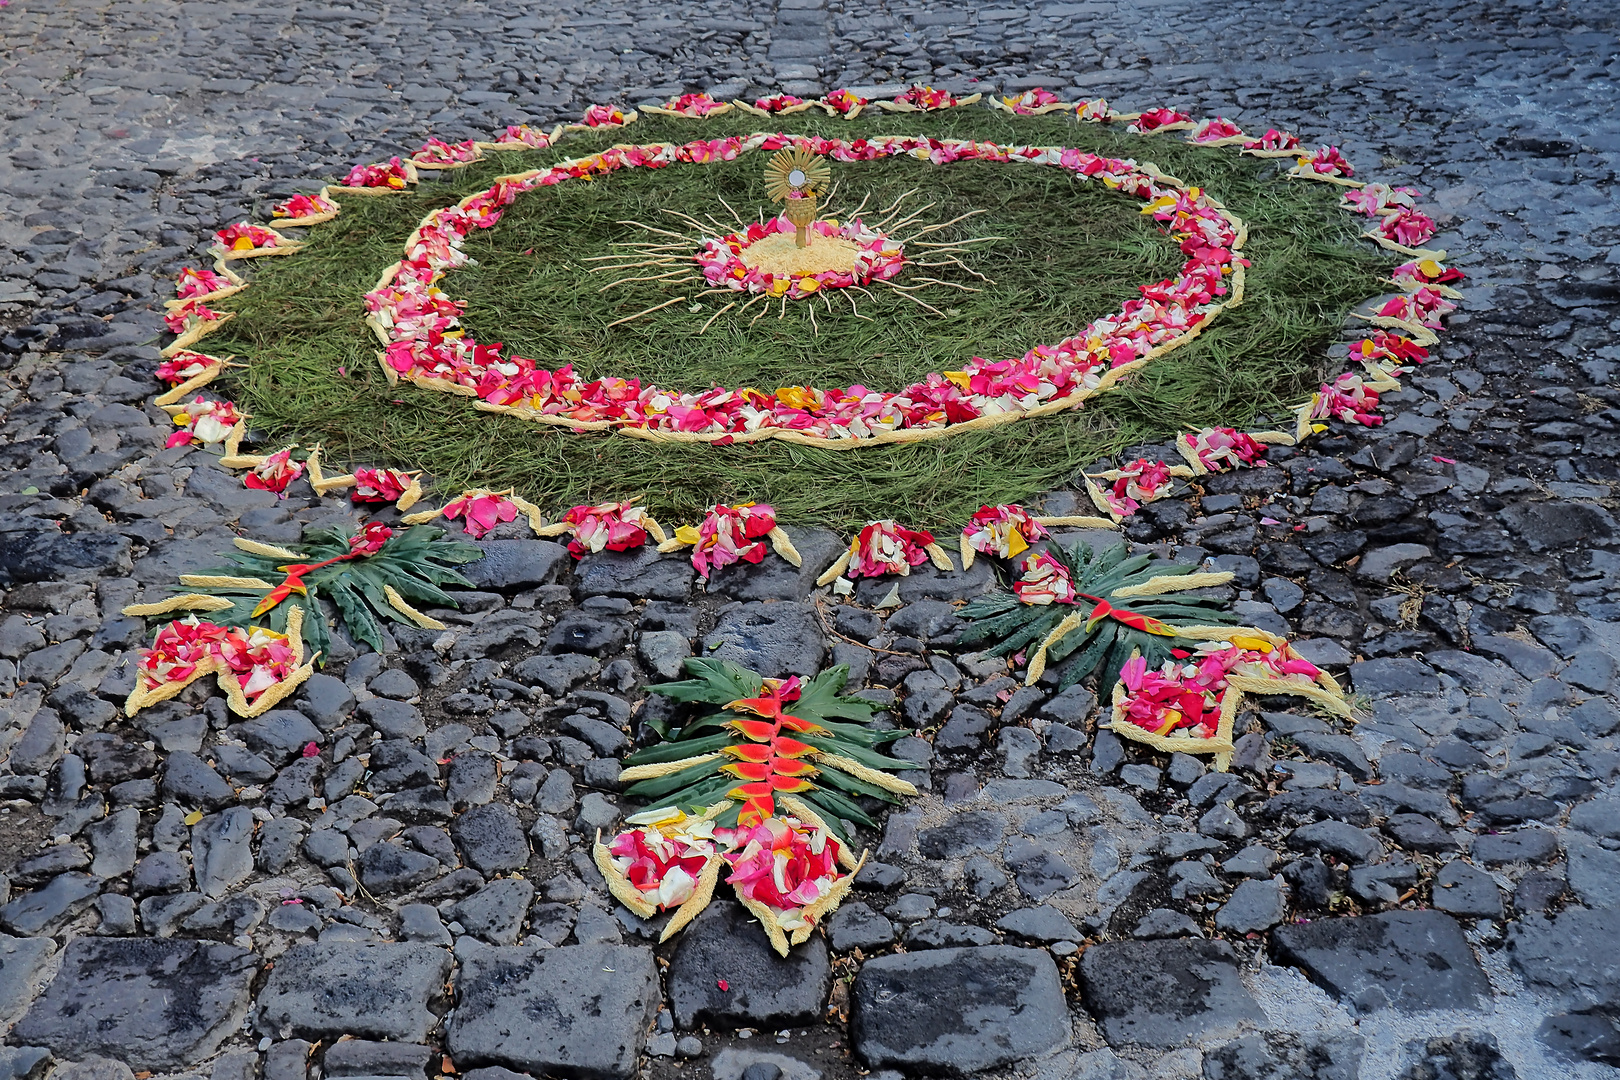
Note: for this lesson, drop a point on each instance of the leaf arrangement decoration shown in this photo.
(769, 738)
(373, 574)
(1111, 606)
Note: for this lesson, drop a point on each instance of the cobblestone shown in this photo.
(1459, 563)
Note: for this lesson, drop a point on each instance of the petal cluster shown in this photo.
(1185, 695)
(1220, 448)
(615, 526)
(274, 473)
(724, 266)
(785, 865)
(663, 859)
(194, 282)
(390, 174)
(729, 534)
(1003, 531)
(481, 512)
(184, 366)
(1141, 481)
(203, 421)
(256, 658)
(246, 237)
(1043, 580)
(379, 485)
(886, 547)
(304, 206)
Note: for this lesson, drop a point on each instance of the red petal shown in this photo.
(748, 770)
(750, 751)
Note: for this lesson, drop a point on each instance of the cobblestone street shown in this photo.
(390, 875)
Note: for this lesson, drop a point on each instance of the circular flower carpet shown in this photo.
(989, 300)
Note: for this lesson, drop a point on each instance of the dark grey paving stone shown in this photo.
(1044, 924)
(1576, 953)
(21, 960)
(856, 926)
(387, 869)
(517, 564)
(222, 850)
(1039, 871)
(23, 1062)
(1465, 890)
(642, 574)
(963, 834)
(1165, 993)
(92, 1067)
(589, 634)
(927, 582)
(580, 1011)
(51, 905)
(1166, 923)
(1337, 838)
(495, 912)
(958, 1011)
(763, 989)
(558, 674)
(1281, 1056)
(188, 780)
(775, 640)
(1393, 675)
(1464, 1055)
(773, 577)
(153, 1004)
(1254, 906)
(377, 990)
(39, 868)
(1405, 960)
(51, 556)
(363, 1057)
(1415, 832)
(279, 735)
(1588, 1034)
(492, 839)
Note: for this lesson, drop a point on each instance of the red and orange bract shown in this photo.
(771, 762)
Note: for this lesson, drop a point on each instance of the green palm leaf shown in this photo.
(416, 562)
(1104, 648)
(820, 702)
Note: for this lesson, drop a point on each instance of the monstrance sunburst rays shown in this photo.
(673, 253)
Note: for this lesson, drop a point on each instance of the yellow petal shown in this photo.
(1256, 644)
(194, 817)
(1016, 543)
(687, 534)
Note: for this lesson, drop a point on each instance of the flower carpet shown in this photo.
(1087, 299)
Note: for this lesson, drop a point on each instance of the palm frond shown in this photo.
(1100, 646)
(775, 737)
